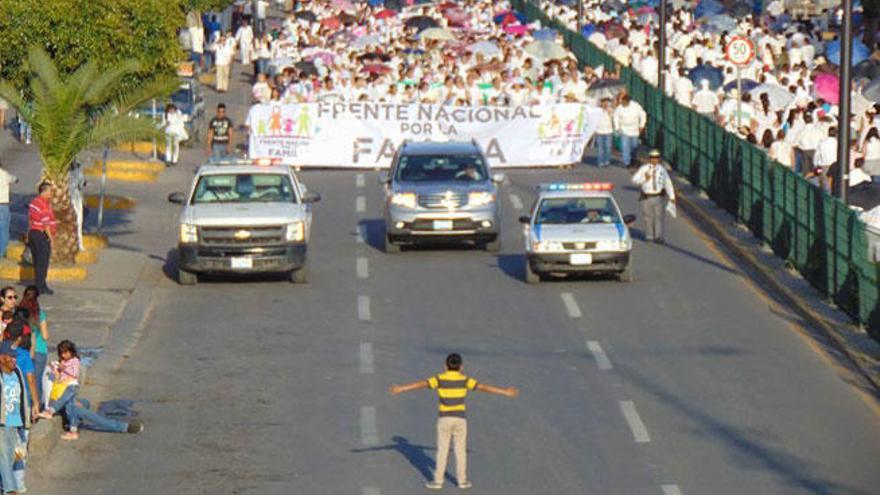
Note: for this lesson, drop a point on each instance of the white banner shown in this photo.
(366, 134)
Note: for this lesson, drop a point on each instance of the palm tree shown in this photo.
(83, 110)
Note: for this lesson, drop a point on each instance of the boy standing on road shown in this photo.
(220, 134)
(452, 387)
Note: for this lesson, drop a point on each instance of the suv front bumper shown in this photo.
(471, 224)
(219, 259)
(561, 262)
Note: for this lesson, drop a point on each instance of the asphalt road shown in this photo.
(685, 381)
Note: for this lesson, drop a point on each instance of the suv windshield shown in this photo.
(244, 188)
(576, 210)
(441, 168)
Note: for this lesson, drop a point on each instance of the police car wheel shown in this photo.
(627, 274)
(532, 277)
(390, 247)
(186, 278)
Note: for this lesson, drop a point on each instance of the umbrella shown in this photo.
(456, 17)
(306, 16)
(345, 5)
(860, 52)
(347, 19)
(516, 29)
(708, 8)
(865, 195)
(376, 69)
(487, 48)
(605, 88)
(827, 87)
(385, 14)
(414, 51)
(368, 40)
(546, 50)
(747, 85)
(587, 30)
(374, 57)
(422, 22)
(436, 34)
(331, 22)
(779, 96)
(307, 68)
(872, 92)
(860, 104)
(722, 22)
(707, 72)
(648, 18)
(510, 17)
(646, 9)
(447, 5)
(326, 56)
(867, 69)
(615, 30)
(740, 10)
(545, 35)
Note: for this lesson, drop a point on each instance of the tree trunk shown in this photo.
(66, 245)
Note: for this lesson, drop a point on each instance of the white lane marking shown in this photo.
(571, 305)
(369, 435)
(670, 489)
(367, 358)
(363, 268)
(599, 355)
(360, 204)
(368, 490)
(639, 432)
(364, 308)
(359, 180)
(517, 203)
(361, 234)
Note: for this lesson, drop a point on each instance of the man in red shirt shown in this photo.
(41, 232)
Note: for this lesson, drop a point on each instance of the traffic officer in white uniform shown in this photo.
(656, 187)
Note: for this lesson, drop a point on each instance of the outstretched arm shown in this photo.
(409, 387)
(510, 392)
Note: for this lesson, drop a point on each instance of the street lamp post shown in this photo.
(580, 23)
(661, 57)
(843, 114)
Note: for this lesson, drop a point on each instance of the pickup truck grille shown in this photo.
(241, 236)
(456, 200)
(578, 246)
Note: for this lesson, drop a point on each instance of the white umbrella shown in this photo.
(436, 34)
(860, 104)
(546, 50)
(487, 48)
(780, 97)
(368, 40)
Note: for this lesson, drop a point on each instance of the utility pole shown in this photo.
(843, 115)
(580, 23)
(661, 57)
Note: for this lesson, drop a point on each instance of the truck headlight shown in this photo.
(480, 198)
(546, 246)
(406, 200)
(296, 232)
(189, 233)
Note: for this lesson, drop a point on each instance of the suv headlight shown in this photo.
(189, 233)
(406, 200)
(546, 246)
(296, 232)
(480, 198)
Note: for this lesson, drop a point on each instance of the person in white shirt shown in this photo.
(807, 143)
(871, 151)
(826, 151)
(683, 88)
(782, 151)
(245, 38)
(175, 132)
(197, 38)
(260, 7)
(656, 188)
(629, 120)
(77, 185)
(705, 100)
(261, 90)
(6, 180)
(604, 134)
(648, 68)
(223, 55)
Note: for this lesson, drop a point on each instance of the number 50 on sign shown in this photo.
(740, 50)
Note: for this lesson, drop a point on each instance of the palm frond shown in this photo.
(101, 88)
(154, 88)
(113, 129)
(41, 64)
(9, 93)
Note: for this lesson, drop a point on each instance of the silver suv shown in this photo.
(241, 218)
(441, 190)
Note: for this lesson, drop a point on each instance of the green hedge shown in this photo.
(815, 232)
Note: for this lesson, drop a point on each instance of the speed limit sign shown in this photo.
(740, 50)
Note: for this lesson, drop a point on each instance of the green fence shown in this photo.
(819, 235)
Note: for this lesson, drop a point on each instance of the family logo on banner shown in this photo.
(365, 134)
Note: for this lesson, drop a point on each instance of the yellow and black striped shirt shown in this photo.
(452, 388)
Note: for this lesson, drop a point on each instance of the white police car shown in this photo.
(577, 228)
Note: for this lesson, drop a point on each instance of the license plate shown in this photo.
(242, 263)
(581, 259)
(442, 224)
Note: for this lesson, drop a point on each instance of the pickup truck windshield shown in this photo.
(576, 210)
(244, 188)
(441, 168)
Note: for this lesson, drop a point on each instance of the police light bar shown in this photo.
(578, 186)
(265, 162)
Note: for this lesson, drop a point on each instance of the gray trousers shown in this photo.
(654, 211)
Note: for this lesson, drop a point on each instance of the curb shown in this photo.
(140, 147)
(130, 166)
(768, 278)
(111, 202)
(10, 270)
(124, 175)
(15, 250)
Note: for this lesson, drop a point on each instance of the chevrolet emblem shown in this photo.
(447, 201)
(241, 235)
(580, 245)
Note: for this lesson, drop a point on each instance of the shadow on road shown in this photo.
(414, 454)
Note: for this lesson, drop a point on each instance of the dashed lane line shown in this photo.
(363, 268)
(364, 308)
(369, 434)
(361, 234)
(670, 489)
(571, 306)
(359, 180)
(516, 202)
(360, 204)
(367, 358)
(599, 355)
(639, 432)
